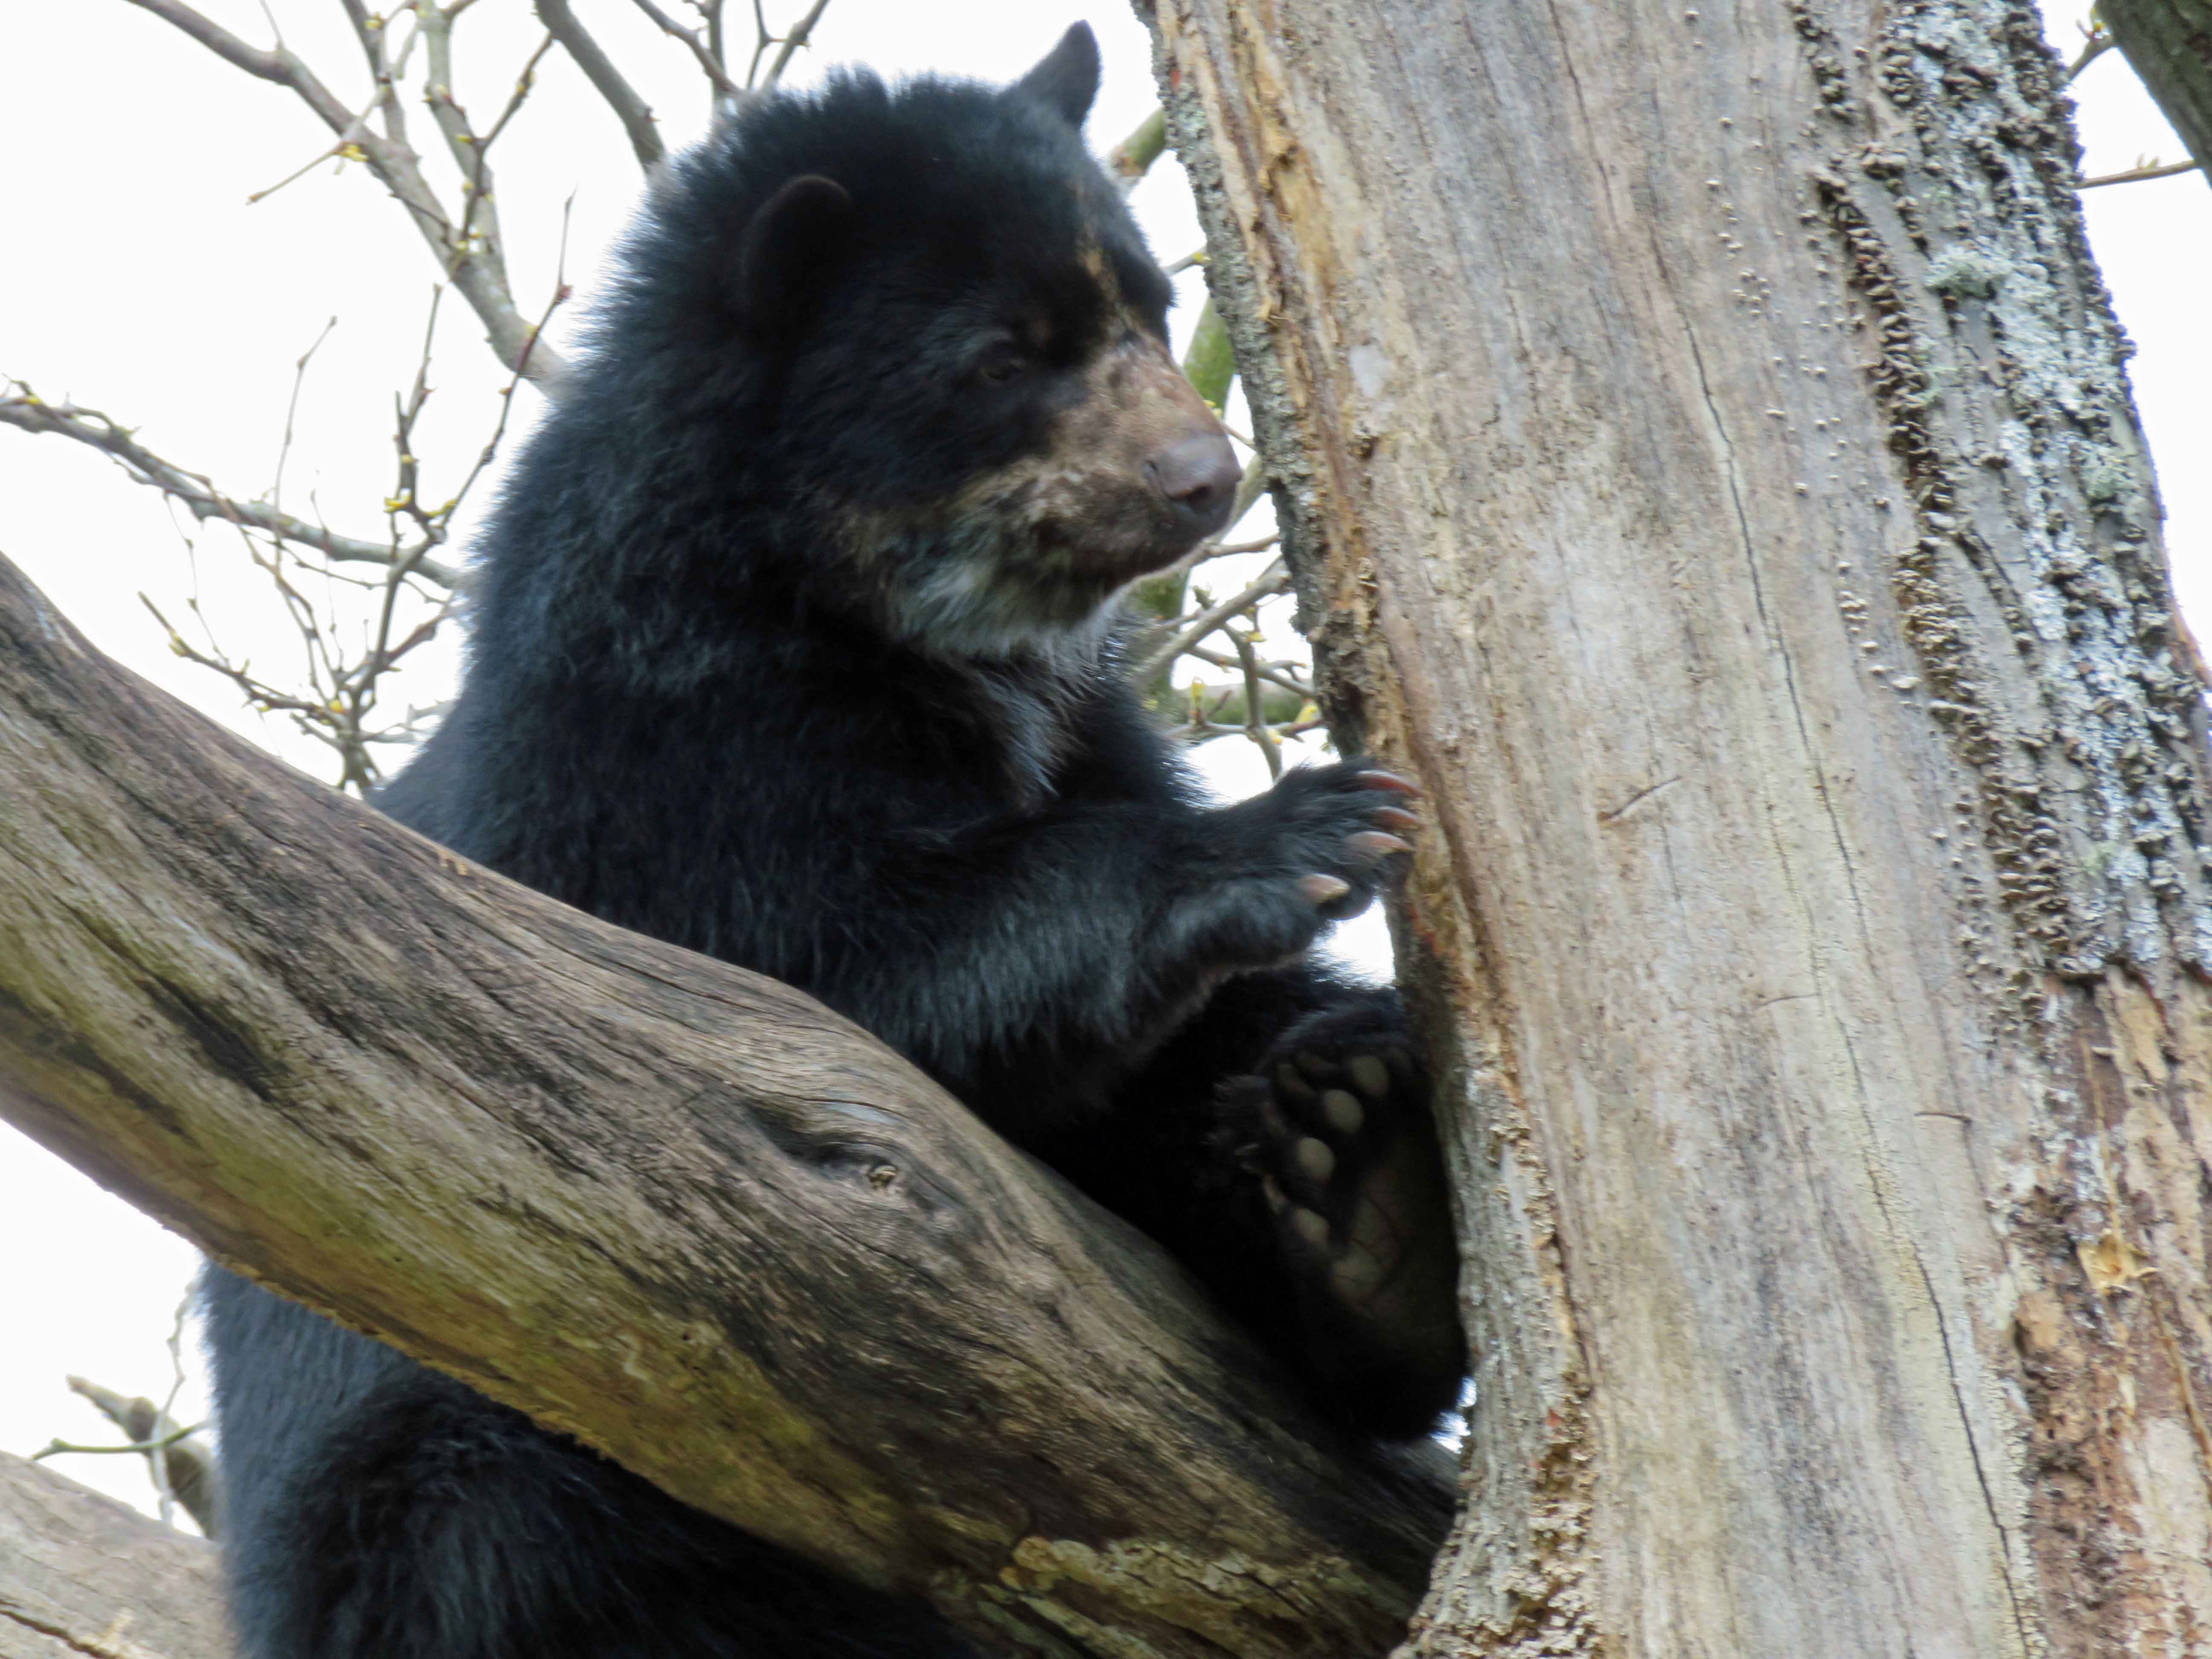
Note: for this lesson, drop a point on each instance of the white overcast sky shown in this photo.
(139, 282)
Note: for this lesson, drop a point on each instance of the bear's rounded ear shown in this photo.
(1067, 79)
(791, 240)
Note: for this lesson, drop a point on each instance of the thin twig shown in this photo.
(58, 1448)
(2095, 46)
(157, 1459)
(153, 1432)
(24, 409)
(560, 292)
(292, 411)
(792, 43)
(479, 149)
(1272, 580)
(700, 51)
(1230, 549)
(1255, 711)
(1273, 673)
(370, 33)
(479, 272)
(2148, 170)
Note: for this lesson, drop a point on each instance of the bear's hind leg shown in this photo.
(1335, 1124)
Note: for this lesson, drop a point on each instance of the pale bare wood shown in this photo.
(677, 1209)
(1709, 463)
(81, 1574)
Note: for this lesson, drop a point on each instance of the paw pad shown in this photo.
(1316, 1162)
(1335, 1126)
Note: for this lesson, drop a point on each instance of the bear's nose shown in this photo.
(1199, 475)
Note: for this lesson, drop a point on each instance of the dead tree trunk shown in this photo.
(1705, 452)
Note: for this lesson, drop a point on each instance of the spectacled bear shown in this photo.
(793, 643)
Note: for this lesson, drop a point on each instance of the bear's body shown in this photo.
(792, 647)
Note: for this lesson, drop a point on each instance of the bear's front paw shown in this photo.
(1273, 872)
(1339, 825)
(1336, 1127)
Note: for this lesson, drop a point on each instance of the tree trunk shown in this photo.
(1704, 449)
(678, 1210)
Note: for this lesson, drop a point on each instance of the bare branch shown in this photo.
(480, 278)
(1132, 158)
(291, 412)
(2168, 44)
(711, 12)
(1281, 675)
(792, 43)
(560, 292)
(1230, 550)
(1255, 704)
(632, 111)
(188, 1466)
(24, 409)
(2097, 42)
(523, 83)
(277, 65)
(1212, 713)
(369, 31)
(479, 237)
(2148, 170)
(1272, 582)
(724, 87)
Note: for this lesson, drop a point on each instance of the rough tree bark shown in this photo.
(1707, 451)
(677, 1209)
(82, 1574)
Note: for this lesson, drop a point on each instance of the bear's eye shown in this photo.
(1001, 363)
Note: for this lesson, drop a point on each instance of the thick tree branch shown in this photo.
(677, 1209)
(82, 1574)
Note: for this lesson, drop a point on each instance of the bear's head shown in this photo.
(916, 329)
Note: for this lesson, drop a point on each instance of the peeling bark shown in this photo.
(1702, 447)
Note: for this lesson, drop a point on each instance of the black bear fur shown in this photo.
(792, 645)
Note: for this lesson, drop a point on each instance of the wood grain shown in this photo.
(1705, 456)
(677, 1210)
(82, 1574)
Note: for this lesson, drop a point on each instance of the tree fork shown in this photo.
(678, 1210)
(1702, 445)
